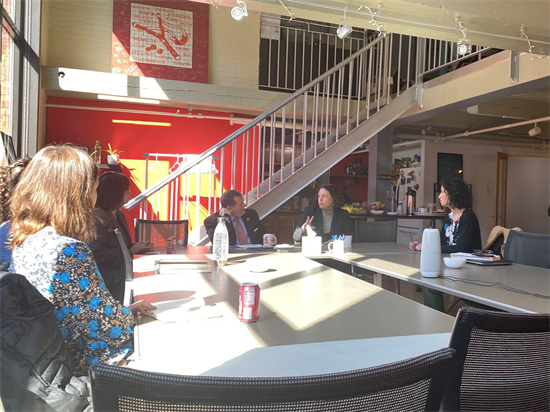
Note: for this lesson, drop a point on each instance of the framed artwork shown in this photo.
(164, 39)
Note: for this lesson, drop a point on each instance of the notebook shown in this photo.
(500, 262)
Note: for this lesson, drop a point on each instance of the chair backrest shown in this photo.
(375, 231)
(528, 249)
(157, 231)
(412, 384)
(502, 362)
(128, 262)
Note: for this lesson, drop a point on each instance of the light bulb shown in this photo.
(463, 47)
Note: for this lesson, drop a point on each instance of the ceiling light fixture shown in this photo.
(239, 12)
(464, 46)
(344, 29)
(534, 131)
(127, 99)
(142, 123)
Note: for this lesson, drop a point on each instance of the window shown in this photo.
(19, 85)
(6, 84)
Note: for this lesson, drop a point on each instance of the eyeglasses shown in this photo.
(479, 252)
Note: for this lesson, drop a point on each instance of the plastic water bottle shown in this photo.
(400, 209)
(221, 243)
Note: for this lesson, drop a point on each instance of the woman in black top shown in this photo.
(460, 231)
(327, 218)
(113, 192)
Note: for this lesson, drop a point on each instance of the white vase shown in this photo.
(430, 255)
(112, 159)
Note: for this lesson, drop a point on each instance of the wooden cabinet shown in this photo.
(281, 224)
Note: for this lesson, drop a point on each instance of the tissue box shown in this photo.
(311, 245)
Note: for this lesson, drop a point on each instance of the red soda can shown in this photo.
(249, 302)
(171, 245)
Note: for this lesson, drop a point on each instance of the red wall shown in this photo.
(84, 127)
(360, 192)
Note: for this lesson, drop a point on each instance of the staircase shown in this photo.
(281, 151)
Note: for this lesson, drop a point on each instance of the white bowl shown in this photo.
(454, 263)
(260, 264)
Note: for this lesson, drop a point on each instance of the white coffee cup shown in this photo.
(347, 242)
(270, 240)
(336, 247)
(422, 210)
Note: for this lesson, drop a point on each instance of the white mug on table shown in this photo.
(336, 247)
(270, 240)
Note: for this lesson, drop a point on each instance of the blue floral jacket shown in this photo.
(96, 328)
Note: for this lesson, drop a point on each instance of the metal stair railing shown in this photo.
(361, 84)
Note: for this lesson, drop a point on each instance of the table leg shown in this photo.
(378, 279)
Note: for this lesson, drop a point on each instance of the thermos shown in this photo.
(430, 254)
(411, 201)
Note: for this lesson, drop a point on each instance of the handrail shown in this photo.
(163, 182)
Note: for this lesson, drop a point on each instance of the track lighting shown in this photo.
(534, 131)
(239, 12)
(344, 29)
(464, 46)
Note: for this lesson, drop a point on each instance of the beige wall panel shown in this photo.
(77, 35)
(234, 49)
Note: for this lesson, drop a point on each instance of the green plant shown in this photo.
(113, 152)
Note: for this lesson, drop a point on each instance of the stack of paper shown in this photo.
(471, 256)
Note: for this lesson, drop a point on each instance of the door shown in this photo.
(501, 183)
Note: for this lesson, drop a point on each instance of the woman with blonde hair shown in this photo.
(52, 220)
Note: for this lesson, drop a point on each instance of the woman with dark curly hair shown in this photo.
(327, 218)
(460, 231)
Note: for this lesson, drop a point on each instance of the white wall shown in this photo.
(528, 195)
(234, 49)
(479, 171)
(77, 34)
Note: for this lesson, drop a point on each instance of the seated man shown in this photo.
(244, 225)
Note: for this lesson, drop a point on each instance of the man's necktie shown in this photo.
(242, 240)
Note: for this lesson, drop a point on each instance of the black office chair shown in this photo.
(528, 249)
(414, 384)
(502, 362)
(375, 231)
(157, 231)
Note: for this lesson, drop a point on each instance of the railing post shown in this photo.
(420, 56)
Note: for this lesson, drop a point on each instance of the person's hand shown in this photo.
(143, 307)
(225, 212)
(141, 247)
(308, 222)
(412, 245)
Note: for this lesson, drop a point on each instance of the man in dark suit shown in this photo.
(243, 225)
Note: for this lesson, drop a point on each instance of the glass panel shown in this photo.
(11, 7)
(6, 84)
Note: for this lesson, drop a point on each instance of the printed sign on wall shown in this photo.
(163, 39)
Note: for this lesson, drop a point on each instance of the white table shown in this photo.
(406, 266)
(302, 303)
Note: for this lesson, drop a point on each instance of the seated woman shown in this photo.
(52, 218)
(9, 178)
(113, 192)
(327, 218)
(460, 231)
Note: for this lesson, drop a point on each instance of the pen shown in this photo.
(411, 237)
